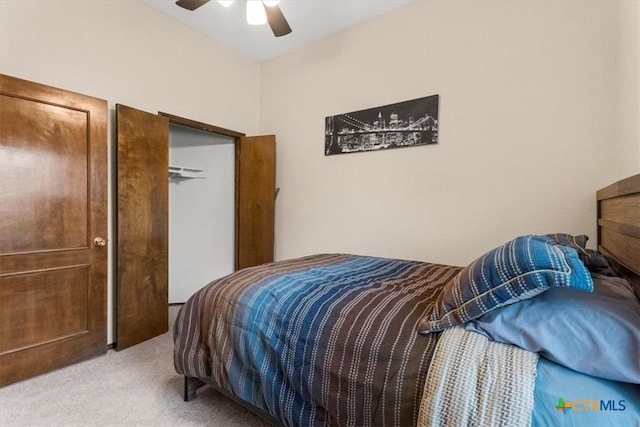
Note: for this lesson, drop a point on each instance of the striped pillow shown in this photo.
(517, 270)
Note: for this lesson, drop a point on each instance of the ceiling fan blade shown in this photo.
(276, 20)
(191, 4)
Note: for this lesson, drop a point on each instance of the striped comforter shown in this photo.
(322, 340)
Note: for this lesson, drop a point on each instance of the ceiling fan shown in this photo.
(257, 13)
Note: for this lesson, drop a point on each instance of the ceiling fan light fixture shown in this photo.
(259, 12)
(255, 13)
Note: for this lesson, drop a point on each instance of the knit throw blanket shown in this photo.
(476, 382)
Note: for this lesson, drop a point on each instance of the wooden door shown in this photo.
(142, 295)
(53, 204)
(255, 192)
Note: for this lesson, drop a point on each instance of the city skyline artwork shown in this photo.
(402, 124)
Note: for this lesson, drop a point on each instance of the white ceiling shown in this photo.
(310, 20)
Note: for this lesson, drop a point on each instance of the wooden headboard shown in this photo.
(619, 227)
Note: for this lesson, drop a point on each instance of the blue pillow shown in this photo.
(517, 270)
(594, 333)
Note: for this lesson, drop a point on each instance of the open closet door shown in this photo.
(256, 186)
(142, 226)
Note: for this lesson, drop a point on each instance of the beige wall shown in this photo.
(128, 53)
(628, 82)
(530, 127)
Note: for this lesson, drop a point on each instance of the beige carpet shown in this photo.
(134, 387)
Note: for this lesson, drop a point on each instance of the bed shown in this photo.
(538, 331)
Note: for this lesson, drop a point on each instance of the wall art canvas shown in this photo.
(402, 124)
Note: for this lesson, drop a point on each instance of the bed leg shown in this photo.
(191, 385)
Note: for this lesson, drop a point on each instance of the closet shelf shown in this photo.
(186, 173)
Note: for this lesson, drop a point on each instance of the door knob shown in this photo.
(99, 241)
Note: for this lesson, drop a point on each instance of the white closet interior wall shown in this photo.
(201, 211)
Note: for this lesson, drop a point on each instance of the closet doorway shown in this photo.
(142, 218)
(201, 209)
